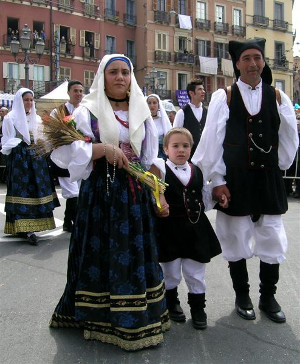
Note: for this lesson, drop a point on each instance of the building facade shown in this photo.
(170, 42)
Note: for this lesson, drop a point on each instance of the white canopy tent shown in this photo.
(59, 93)
(6, 100)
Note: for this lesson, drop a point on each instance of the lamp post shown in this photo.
(154, 79)
(25, 43)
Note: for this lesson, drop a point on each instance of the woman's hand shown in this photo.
(115, 155)
(221, 194)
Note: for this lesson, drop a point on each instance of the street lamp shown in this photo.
(25, 43)
(154, 79)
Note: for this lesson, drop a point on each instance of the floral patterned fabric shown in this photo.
(115, 287)
(31, 196)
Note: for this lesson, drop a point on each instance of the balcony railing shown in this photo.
(261, 21)
(187, 58)
(221, 27)
(129, 19)
(90, 53)
(203, 24)
(39, 2)
(111, 14)
(91, 10)
(280, 24)
(162, 93)
(162, 56)
(239, 30)
(67, 5)
(162, 17)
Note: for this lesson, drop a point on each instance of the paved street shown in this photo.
(32, 280)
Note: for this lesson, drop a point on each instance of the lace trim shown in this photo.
(26, 225)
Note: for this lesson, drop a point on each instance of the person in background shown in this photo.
(31, 197)
(69, 189)
(161, 120)
(3, 112)
(186, 238)
(172, 115)
(115, 288)
(193, 115)
(297, 162)
(249, 138)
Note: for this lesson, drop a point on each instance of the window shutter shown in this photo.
(208, 50)
(21, 71)
(176, 44)
(169, 7)
(82, 38)
(5, 69)
(31, 72)
(97, 41)
(73, 35)
(154, 4)
(46, 73)
(189, 41)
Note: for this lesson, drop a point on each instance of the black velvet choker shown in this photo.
(117, 100)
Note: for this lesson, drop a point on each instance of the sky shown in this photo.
(296, 25)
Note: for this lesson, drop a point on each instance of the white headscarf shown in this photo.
(18, 116)
(165, 121)
(98, 104)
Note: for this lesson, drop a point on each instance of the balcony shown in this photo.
(163, 94)
(221, 27)
(90, 53)
(280, 25)
(162, 56)
(130, 19)
(39, 2)
(111, 14)
(202, 24)
(261, 21)
(186, 58)
(91, 10)
(162, 17)
(280, 63)
(67, 5)
(238, 30)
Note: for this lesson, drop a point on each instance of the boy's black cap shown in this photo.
(236, 48)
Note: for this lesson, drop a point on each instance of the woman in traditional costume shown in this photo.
(31, 196)
(115, 288)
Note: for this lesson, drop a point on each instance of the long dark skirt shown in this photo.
(115, 287)
(31, 196)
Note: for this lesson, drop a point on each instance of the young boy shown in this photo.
(187, 240)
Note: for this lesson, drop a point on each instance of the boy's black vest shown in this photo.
(193, 125)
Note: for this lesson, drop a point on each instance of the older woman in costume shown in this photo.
(161, 121)
(115, 288)
(31, 196)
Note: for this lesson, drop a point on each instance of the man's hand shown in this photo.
(221, 194)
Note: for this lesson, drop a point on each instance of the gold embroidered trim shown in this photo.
(26, 225)
(30, 201)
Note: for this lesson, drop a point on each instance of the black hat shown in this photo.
(236, 48)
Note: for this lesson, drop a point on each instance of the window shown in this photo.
(182, 44)
(110, 4)
(88, 79)
(182, 7)
(182, 81)
(110, 46)
(259, 7)
(280, 85)
(278, 9)
(279, 53)
(130, 51)
(220, 50)
(220, 14)
(237, 17)
(13, 71)
(130, 7)
(64, 73)
(203, 47)
(161, 5)
(38, 79)
(161, 42)
(201, 10)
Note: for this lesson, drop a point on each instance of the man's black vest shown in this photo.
(193, 125)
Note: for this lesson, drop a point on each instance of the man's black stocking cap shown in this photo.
(236, 48)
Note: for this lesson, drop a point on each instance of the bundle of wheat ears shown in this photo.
(59, 130)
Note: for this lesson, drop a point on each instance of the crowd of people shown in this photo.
(129, 251)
